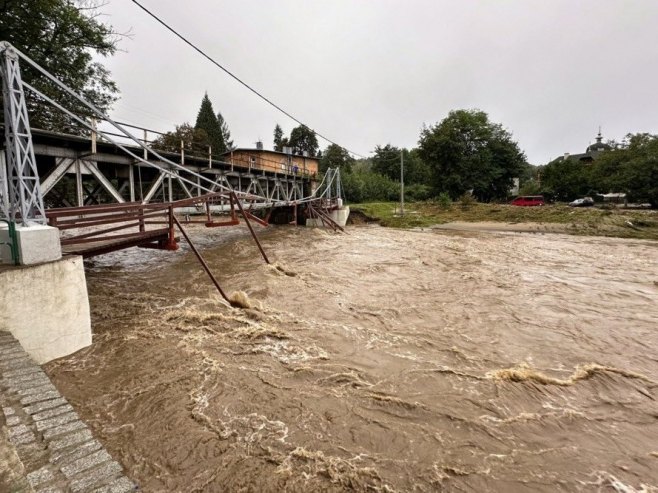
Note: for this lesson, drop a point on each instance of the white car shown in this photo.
(584, 202)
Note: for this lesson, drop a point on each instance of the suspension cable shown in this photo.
(235, 77)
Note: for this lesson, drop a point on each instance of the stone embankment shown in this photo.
(45, 446)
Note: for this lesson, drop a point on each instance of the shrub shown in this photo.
(368, 186)
(466, 200)
(444, 200)
(417, 192)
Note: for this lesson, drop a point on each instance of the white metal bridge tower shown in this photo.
(20, 189)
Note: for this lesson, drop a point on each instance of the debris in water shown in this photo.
(277, 267)
(239, 299)
(524, 372)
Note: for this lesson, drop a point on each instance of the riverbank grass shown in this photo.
(593, 221)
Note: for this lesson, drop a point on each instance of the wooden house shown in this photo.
(272, 161)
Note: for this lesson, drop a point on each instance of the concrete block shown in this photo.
(28, 370)
(16, 363)
(52, 412)
(96, 477)
(13, 420)
(62, 419)
(340, 215)
(8, 345)
(41, 406)
(60, 430)
(314, 223)
(5, 250)
(33, 379)
(23, 438)
(26, 384)
(46, 308)
(70, 440)
(67, 456)
(40, 476)
(17, 430)
(121, 485)
(14, 348)
(46, 387)
(37, 244)
(7, 340)
(41, 396)
(13, 356)
(8, 411)
(85, 463)
(12, 352)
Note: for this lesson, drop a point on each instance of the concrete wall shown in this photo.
(340, 215)
(36, 244)
(46, 307)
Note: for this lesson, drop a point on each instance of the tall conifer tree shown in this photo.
(278, 138)
(226, 133)
(206, 120)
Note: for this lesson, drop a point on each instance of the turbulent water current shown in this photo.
(379, 360)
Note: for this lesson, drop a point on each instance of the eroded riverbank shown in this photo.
(380, 360)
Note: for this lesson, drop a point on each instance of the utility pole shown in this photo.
(401, 182)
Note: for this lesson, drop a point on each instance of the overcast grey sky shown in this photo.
(369, 72)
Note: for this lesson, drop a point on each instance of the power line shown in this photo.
(228, 72)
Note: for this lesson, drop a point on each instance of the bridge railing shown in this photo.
(95, 229)
(108, 227)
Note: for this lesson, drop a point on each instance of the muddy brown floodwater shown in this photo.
(380, 360)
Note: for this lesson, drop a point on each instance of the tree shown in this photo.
(279, 140)
(335, 156)
(207, 120)
(64, 37)
(366, 186)
(226, 133)
(303, 139)
(631, 168)
(468, 152)
(386, 161)
(195, 140)
(566, 179)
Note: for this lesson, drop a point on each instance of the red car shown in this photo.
(529, 200)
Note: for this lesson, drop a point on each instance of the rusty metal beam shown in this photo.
(201, 260)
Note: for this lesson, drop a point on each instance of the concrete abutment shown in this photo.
(46, 307)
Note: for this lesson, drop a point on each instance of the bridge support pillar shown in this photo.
(46, 307)
(34, 244)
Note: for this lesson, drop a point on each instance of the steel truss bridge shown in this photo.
(117, 195)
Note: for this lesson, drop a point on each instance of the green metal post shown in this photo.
(13, 240)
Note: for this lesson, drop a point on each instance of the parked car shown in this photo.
(584, 202)
(528, 200)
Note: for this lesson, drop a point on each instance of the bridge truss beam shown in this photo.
(20, 189)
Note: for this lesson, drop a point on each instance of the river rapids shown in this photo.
(379, 360)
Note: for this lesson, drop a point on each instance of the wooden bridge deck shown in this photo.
(109, 244)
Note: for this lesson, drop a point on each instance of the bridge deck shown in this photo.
(109, 244)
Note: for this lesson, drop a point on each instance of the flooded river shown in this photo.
(380, 360)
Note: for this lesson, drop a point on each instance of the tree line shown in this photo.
(465, 153)
(631, 167)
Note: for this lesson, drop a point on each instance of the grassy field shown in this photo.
(558, 218)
